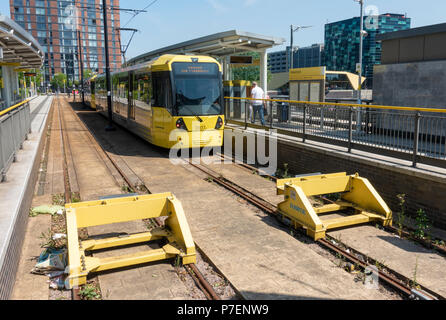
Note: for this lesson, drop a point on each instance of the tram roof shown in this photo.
(19, 47)
(216, 45)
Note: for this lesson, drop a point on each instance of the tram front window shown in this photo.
(197, 89)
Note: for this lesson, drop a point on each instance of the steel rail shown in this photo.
(75, 292)
(201, 282)
(393, 278)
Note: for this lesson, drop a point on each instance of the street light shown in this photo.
(295, 29)
(361, 35)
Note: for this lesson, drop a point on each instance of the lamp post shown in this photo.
(361, 35)
(110, 126)
(294, 29)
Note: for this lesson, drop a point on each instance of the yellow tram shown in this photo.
(174, 101)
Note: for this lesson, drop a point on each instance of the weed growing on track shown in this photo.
(422, 225)
(89, 292)
(48, 241)
(177, 262)
(283, 174)
(75, 197)
(414, 283)
(401, 214)
(58, 199)
(125, 188)
(380, 265)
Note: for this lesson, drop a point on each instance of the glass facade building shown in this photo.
(305, 57)
(54, 23)
(342, 42)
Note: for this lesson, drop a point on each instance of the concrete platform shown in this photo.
(16, 195)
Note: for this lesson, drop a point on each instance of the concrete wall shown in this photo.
(423, 190)
(415, 48)
(417, 84)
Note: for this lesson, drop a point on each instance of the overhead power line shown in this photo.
(136, 13)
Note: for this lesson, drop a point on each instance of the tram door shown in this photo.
(131, 108)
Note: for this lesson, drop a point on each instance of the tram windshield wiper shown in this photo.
(187, 102)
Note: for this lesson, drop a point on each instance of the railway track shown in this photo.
(391, 229)
(138, 187)
(390, 277)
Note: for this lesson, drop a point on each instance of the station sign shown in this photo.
(30, 74)
(241, 63)
(241, 60)
(301, 74)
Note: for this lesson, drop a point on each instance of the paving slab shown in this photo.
(29, 286)
(16, 195)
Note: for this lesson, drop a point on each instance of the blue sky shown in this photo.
(171, 21)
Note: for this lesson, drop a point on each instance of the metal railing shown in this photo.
(15, 124)
(414, 134)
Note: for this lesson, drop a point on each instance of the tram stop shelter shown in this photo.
(19, 51)
(221, 46)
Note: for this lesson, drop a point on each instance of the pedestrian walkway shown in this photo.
(16, 195)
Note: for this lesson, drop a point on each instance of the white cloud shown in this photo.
(217, 5)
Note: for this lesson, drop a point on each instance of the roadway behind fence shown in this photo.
(415, 134)
(15, 125)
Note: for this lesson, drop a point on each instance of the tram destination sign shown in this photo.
(194, 68)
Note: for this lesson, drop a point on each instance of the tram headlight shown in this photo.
(219, 123)
(180, 124)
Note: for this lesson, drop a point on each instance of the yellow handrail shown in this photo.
(348, 105)
(14, 107)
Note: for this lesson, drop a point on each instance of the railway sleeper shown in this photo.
(355, 194)
(175, 234)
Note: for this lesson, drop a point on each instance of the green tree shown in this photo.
(249, 73)
(59, 80)
(88, 74)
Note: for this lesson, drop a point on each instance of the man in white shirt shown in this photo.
(257, 105)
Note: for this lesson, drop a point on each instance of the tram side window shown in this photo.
(115, 93)
(103, 95)
(123, 89)
(142, 90)
(163, 91)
